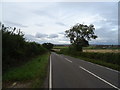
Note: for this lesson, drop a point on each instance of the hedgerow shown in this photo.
(15, 49)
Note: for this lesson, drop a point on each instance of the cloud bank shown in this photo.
(46, 22)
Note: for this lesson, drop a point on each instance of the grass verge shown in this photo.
(34, 70)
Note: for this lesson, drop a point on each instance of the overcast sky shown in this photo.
(47, 22)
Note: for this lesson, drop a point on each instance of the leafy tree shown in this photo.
(80, 34)
(49, 46)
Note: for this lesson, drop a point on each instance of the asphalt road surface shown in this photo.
(69, 72)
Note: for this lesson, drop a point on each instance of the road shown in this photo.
(69, 72)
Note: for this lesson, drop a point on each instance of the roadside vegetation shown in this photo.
(110, 60)
(33, 72)
(15, 49)
(80, 35)
(97, 48)
(22, 60)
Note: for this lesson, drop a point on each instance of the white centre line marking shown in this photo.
(99, 78)
(50, 75)
(68, 60)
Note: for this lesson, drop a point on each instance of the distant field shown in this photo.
(91, 49)
(102, 50)
(59, 47)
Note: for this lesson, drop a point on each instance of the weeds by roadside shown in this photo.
(34, 71)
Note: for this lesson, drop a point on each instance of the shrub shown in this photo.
(48, 46)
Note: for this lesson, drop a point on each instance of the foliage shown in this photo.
(48, 46)
(107, 59)
(15, 49)
(80, 34)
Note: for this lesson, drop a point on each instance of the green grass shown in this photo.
(35, 70)
(60, 47)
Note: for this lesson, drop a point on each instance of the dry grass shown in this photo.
(57, 50)
(103, 50)
(95, 50)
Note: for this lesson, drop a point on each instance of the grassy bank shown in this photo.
(34, 71)
(110, 60)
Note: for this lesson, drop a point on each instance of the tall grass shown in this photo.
(34, 70)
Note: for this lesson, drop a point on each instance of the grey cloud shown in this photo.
(60, 23)
(106, 36)
(43, 13)
(107, 31)
(61, 33)
(15, 24)
(30, 38)
(106, 10)
(40, 35)
(53, 36)
(39, 25)
(105, 41)
(112, 22)
(64, 39)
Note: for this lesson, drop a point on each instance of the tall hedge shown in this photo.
(15, 49)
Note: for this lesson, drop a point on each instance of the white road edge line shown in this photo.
(105, 67)
(99, 78)
(50, 75)
(101, 66)
(68, 60)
